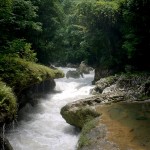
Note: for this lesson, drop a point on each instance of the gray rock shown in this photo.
(84, 68)
(78, 116)
(73, 74)
(103, 83)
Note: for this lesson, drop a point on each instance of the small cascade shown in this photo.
(42, 127)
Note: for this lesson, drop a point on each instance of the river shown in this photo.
(41, 127)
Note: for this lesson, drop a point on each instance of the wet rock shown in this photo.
(103, 83)
(73, 74)
(78, 116)
(130, 86)
(84, 68)
(30, 94)
(4, 144)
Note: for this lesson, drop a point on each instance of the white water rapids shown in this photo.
(42, 127)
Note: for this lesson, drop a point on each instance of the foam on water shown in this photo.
(42, 127)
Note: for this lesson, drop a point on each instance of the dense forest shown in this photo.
(108, 34)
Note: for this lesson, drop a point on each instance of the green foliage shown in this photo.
(5, 18)
(136, 32)
(19, 48)
(100, 19)
(115, 33)
(17, 21)
(48, 42)
(8, 105)
(24, 13)
(106, 33)
(5, 8)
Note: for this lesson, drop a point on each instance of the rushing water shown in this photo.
(41, 127)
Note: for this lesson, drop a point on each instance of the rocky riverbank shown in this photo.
(117, 116)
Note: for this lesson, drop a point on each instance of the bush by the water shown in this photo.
(20, 74)
(8, 104)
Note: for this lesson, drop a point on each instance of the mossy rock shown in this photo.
(104, 83)
(78, 116)
(20, 74)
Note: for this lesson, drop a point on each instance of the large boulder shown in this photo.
(77, 115)
(83, 68)
(104, 83)
(73, 74)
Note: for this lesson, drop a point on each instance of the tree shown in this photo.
(101, 22)
(46, 43)
(5, 18)
(136, 29)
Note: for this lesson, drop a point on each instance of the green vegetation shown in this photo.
(108, 34)
(25, 26)
(8, 104)
(19, 74)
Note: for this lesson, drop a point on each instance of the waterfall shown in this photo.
(42, 127)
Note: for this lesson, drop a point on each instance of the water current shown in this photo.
(42, 127)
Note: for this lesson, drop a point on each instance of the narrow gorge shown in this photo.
(41, 127)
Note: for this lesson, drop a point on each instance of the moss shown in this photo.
(84, 140)
(8, 104)
(78, 117)
(19, 73)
